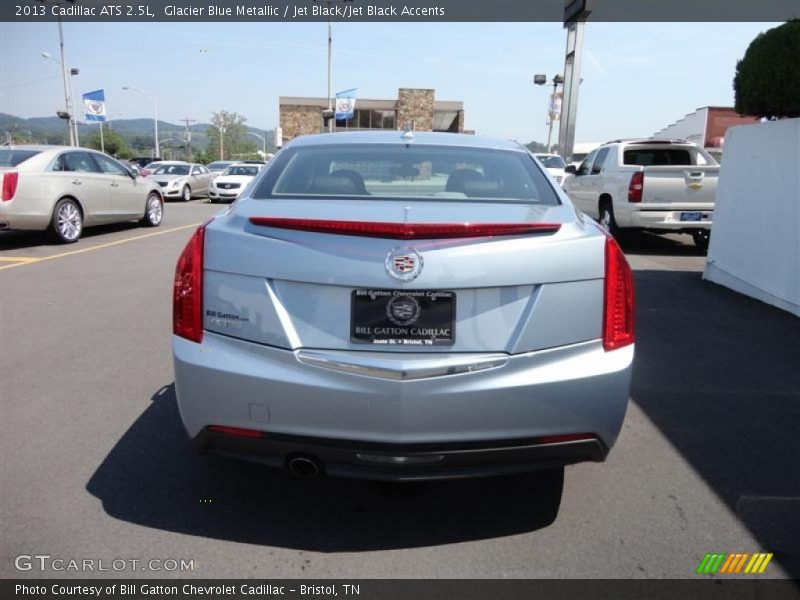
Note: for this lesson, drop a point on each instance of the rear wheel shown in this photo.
(186, 194)
(701, 239)
(607, 218)
(67, 223)
(153, 211)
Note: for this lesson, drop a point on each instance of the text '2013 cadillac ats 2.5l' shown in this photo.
(403, 306)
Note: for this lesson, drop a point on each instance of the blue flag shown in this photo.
(345, 104)
(94, 106)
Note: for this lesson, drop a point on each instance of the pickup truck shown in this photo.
(664, 186)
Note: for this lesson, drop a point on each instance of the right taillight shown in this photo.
(10, 181)
(636, 186)
(618, 299)
(187, 291)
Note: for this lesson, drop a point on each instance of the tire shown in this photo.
(606, 218)
(186, 193)
(66, 225)
(701, 239)
(153, 211)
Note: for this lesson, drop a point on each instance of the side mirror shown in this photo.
(571, 169)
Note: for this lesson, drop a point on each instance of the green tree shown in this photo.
(114, 143)
(536, 147)
(767, 81)
(230, 127)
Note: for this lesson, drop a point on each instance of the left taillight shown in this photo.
(10, 181)
(187, 291)
(618, 301)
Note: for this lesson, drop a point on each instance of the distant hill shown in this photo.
(138, 133)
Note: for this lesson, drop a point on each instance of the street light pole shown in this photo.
(73, 141)
(221, 142)
(263, 139)
(540, 79)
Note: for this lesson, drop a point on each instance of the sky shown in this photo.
(637, 77)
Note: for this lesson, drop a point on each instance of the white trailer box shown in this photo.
(755, 239)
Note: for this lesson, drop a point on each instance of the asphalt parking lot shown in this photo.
(94, 462)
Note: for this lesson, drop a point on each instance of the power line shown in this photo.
(15, 85)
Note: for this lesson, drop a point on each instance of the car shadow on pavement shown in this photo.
(152, 478)
(15, 240)
(649, 244)
(719, 374)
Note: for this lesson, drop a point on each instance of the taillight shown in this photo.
(187, 292)
(235, 431)
(407, 231)
(10, 181)
(618, 299)
(636, 186)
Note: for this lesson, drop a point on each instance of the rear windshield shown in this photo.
(12, 158)
(552, 162)
(172, 170)
(395, 171)
(218, 165)
(647, 157)
(251, 171)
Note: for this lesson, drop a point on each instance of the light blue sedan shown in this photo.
(403, 306)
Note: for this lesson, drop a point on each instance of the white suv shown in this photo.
(655, 185)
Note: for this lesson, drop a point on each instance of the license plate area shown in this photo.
(691, 216)
(403, 317)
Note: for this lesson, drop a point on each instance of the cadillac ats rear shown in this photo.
(403, 306)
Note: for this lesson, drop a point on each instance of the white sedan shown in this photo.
(555, 165)
(232, 181)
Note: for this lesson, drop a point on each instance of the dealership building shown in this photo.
(414, 108)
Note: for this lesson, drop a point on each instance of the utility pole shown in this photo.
(188, 136)
(67, 99)
(221, 142)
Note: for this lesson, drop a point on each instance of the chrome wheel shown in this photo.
(187, 194)
(154, 210)
(69, 221)
(605, 219)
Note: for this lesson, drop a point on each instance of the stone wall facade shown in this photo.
(297, 120)
(415, 109)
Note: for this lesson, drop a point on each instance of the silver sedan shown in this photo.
(403, 306)
(182, 180)
(61, 189)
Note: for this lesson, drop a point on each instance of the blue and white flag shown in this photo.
(345, 104)
(94, 106)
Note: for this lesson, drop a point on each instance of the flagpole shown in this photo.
(331, 122)
(102, 142)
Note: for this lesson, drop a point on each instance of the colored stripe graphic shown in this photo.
(735, 562)
(758, 563)
(711, 562)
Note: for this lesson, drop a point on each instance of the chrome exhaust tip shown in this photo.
(304, 467)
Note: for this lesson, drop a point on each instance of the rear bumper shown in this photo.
(29, 220)
(670, 220)
(233, 383)
(404, 462)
